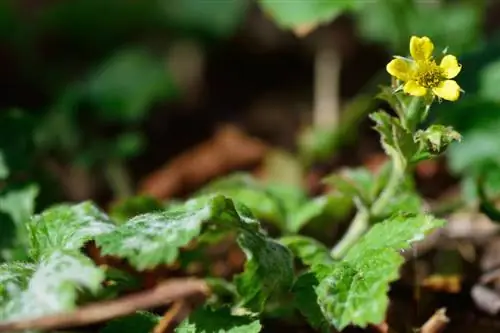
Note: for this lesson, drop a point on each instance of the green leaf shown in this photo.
(205, 320)
(19, 204)
(313, 12)
(53, 286)
(396, 140)
(354, 183)
(14, 277)
(241, 187)
(215, 18)
(306, 301)
(326, 207)
(355, 290)
(126, 86)
(489, 80)
(459, 32)
(268, 270)
(4, 170)
(308, 250)
(139, 322)
(435, 139)
(480, 147)
(152, 239)
(67, 227)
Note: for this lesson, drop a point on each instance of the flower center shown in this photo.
(429, 74)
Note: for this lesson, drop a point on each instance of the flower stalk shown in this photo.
(423, 80)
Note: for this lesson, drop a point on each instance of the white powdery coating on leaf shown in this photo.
(150, 226)
(69, 227)
(54, 286)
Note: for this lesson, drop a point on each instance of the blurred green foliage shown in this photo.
(102, 64)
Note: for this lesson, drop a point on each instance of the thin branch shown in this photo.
(327, 65)
(162, 294)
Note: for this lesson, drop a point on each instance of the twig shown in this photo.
(327, 65)
(162, 294)
(169, 315)
(436, 323)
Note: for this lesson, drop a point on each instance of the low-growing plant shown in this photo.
(284, 275)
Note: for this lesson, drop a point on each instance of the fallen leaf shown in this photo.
(228, 150)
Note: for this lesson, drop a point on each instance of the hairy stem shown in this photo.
(360, 223)
(356, 229)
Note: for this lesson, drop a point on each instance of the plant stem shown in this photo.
(356, 229)
(389, 191)
(360, 223)
(327, 65)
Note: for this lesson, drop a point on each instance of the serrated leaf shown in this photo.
(152, 239)
(205, 320)
(306, 301)
(268, 270)
(355, 290)
(308, 250)
(139, 322)
(155, 238)
(404, 201)
(53, 286)
(396, 233)
(435, 139)
(14, 279)
(396, 140)
(67, 227)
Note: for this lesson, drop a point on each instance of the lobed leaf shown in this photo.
(354, 291)
(152, 239)
(206, 320)
(308, 250)
(268, 270)
(306, 301)
(67, 227)
(50, 286)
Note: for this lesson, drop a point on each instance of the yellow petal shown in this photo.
(421, 48)
(399, 68)
(448, 90)
(450, 66)
(413, 88)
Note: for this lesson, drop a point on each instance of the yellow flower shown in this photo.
(422, 75)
